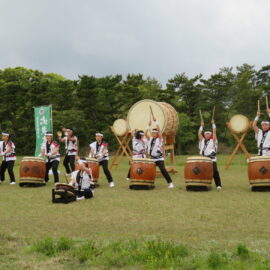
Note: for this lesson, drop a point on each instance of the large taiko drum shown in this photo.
(94, 165)
(32, 171)
(139, 114)
(259, 173)
(198, 173)
(63, 193)
(142, 173)
(120, 127)
(239, 123)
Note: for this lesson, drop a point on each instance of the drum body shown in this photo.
(65, 187)
(120, 127)
(32, 171)
(198, 173)
(94, 165)
(63, 193)
(239, 123)
(139, 113)
(142, 173)
(259, 172)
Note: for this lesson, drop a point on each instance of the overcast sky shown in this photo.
(158, 38)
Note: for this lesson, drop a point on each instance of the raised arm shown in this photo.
(157, 126)
(214, 130)
(254, 124)
(200, 136)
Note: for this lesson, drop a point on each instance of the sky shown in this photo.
(158, 38)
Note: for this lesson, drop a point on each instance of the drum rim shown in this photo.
(152, 101)
(243, 117)
(122, 120)
(92, 159)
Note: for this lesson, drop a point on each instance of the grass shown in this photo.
(206, 224)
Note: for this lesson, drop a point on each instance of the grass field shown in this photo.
(205, 223)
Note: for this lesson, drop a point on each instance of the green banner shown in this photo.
(43, 123)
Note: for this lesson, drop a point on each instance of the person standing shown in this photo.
(71, 146)
(99, 150)
(50, 149)
(8, 153)
(208, 145)
(155, 151)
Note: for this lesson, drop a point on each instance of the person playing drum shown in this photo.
(155, 150)
(208, 148)
(262, 135)
(83, 181)
(50, 149)
(99, 150)
(139, 146)
(71, 146)
(8, 153)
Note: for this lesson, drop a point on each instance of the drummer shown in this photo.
(99, 150)
(83, 181)
(50, 149)
(7, 151)
(155, 150)
(262, 136)
(139, 146)
(71, 146)
(208, 148)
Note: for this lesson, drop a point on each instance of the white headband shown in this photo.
(99, 134)
(49, 134)
(265, 122)
(154, 131)
(5, 134)
(81, 161)
(207, 132)
(141, 133)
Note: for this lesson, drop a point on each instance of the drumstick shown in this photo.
(259, 109)
(213, 113)
(151, 112)
(201, 116)
(266, 100)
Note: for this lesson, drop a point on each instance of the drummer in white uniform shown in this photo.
(139, 146)
(262, 136)
(208, 145)
(155, 151)
(83, 181)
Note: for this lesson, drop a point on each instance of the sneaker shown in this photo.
(12, 183)
(80, 198)
(219, 187)
(171, 185)
(111, 184)
(128, 179)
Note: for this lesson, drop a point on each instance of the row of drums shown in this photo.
(198, 172)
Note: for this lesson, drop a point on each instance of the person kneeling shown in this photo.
(83, 181)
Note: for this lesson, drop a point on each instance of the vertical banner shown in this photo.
(43, 123)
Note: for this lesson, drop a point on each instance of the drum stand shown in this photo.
(168, 148)
(239, 143)
(123, 149)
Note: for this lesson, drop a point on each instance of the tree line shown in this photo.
(89, 104)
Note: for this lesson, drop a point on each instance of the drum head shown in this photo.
(139, 115)
(120, 127)
(239, 123)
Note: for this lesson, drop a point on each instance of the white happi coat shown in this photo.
(210, 148)
(99, 150)
(71, 147)
(266, 143)
(156, 152)
(139, 148)
(11, 155)
(53, 146)
(86, 180)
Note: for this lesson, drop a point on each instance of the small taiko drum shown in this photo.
(198, 173)
(94, 165)
(239, 123)
(32, 171)
(63, 193)
(142, 173)
(120, 127)
(259, 173)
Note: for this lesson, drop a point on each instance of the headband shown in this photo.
(81, 161)
(265, 122)
(5, 134)
(141, 133)
(207, 132)
(99, 134)
(49, 134)
(154, 131)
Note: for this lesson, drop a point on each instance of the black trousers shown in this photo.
(87, 193)
(54, 166)
(161, 165)
(104, 164)
(216, 174)
(69, 161)
(7, 165)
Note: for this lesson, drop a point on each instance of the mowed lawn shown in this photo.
(202, 220)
